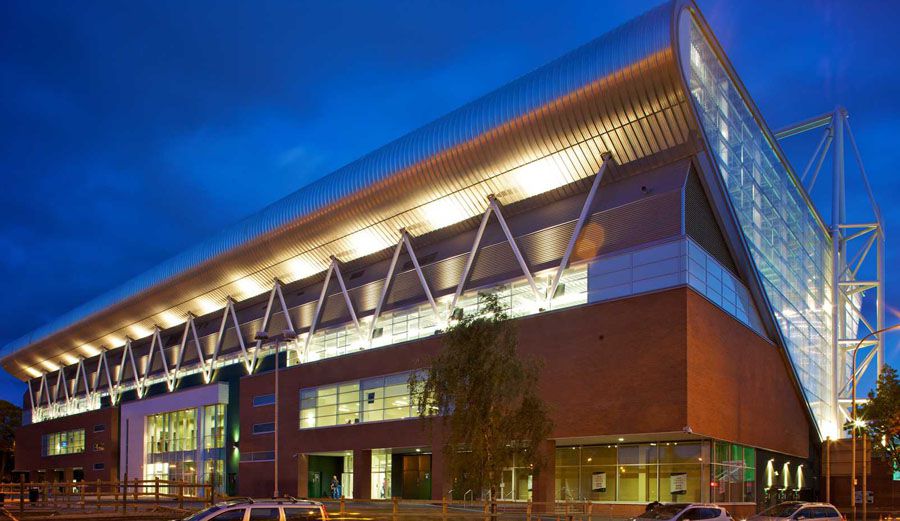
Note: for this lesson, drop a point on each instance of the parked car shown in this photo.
(798, 511)
(685, 512)
(262, 510)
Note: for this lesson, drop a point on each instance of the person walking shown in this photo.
(335, 487)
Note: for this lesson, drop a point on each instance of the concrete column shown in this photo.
(302, 475)
(362, 474)
(440, 485)
(544, 481)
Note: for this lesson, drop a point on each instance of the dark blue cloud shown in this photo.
(131, 131)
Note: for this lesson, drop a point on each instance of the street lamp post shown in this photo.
(263, 336)
(856, 423)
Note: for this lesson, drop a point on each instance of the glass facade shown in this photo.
(419, 321)
(60, 443)
(790, 249)
(638, 473)
(348, 403)
(733, 474)
(186, 445)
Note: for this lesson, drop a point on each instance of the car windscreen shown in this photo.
(782, 510)
(196, 516)
(662, 512)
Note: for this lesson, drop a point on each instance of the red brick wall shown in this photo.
(739, 386)
(648, 364)
(28, 445)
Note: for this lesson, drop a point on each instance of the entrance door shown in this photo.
(315, 484)
(416, 482)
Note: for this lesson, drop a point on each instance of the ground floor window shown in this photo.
(516, 482)
(381, 474)
(639, 473)
(734, 474)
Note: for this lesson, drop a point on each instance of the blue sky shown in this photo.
(130, 131)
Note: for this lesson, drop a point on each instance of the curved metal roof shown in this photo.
(620, 93)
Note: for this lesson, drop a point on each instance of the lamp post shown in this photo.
(856, 423)
(263, 336)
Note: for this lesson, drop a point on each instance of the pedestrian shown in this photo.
(335, 487)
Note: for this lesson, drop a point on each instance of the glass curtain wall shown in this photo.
(791, 250)
(186, 445)
(639, 473)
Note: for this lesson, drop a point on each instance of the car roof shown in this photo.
(272, 502)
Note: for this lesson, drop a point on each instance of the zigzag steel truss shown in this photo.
(113, 376)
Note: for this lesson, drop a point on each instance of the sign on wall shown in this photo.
(678, 483)
(598, 482)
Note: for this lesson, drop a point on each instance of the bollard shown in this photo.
(21, 493)
(81, 492)
(181, 495)
(98, 493)
(135, 489)
(342, 505)
(156, 489)
(394, 507)
(115, 487)
(590, 511)
(528, 508)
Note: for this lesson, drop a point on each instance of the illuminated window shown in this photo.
(60, 443)
(348, 403)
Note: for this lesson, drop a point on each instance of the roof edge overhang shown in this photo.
(606, 75)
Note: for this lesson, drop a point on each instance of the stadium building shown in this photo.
(629, 205)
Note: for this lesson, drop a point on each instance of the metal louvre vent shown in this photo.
(700, 223)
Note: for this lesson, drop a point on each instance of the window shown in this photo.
(733, 474)
(664, 471)
(301, 513)
(60, 443)
(263, 428)
(214, 426)
(264, 514)
(99, 466)
(263, 399)
(99, 428)
(265, 455)
(691, 514)
(236, 514)
(373, 399)
(173, 431)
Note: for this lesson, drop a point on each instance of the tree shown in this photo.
(486, 394)
(10, 420)
(881, 414)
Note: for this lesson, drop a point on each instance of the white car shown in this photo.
(798, 511)
(262, 510)
(685, 512)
